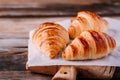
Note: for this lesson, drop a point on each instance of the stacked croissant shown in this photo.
(87, 32)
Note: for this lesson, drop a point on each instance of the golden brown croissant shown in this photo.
(89, 45)
(50, 38)
(86, 20)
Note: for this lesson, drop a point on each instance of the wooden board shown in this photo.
(97, 72)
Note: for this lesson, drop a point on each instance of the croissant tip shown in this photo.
(51, 55)
(63, 55)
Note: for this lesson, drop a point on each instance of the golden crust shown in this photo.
(89, 45)
(86, 20)
(50, 38)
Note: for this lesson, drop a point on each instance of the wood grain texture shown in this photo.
(57, 10)
(13, 60)
(22, 75)
(44, 2)
(18, 28)
(91, 72)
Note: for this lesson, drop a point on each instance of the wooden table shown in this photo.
(17, 20)
(13, 48)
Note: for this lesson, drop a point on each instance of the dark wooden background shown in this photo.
(57, 8)
(18, 17)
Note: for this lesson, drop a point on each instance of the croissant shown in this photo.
(50, 38)
(89, 45)
(86, 20)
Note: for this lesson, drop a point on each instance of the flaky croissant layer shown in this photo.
(89, 45)
(50, 38)
(86, 20)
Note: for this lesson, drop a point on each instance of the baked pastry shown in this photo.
(50, 38)
(86, 20)
(89, 45)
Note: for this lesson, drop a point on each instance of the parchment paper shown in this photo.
(37, 58)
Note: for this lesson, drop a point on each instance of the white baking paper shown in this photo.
(37, 58)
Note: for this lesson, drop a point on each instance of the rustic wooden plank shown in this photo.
(13, 54)
(4, 43)
(13, 60)
(44, 2)
(18, 28)
(56, 10)
(22, 75)
(33, 13)
(12, 50)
